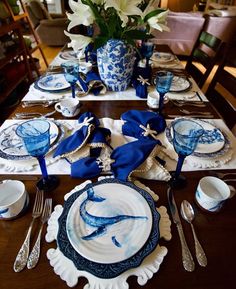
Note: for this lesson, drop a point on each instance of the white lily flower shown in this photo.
(124, 8)
(159, 21)
(82, 14)
(78, 41)
(152, 5)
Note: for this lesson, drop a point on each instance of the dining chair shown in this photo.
(203, 57)
(222, 89)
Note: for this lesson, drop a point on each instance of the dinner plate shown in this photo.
(70, 55)
(212, 143)
(180, 84)
(12, 148)
(162, 57)
(52, 83)
(108, 227)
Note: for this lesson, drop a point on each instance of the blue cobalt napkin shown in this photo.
(92, 83)
(133, 159)
(89, 133)
(142, 124)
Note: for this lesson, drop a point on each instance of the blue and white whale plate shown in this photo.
(11, 145)
(108, 227)
(52, 83)
(212, 143)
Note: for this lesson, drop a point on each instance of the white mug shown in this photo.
(68, 107)
(153, 99)
(212, 193)
(13, 199)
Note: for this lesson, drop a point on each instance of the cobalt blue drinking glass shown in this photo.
(35, 134)
(147, 51)
(186, 134)
(163, 84)
(71, 73)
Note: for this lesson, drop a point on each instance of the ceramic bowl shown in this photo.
(85, 67)
(13, 199)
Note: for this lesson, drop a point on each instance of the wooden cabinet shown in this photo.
(15, 64)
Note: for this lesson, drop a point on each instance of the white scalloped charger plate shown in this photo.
(11, 146)
(120, 239)
(180, 84)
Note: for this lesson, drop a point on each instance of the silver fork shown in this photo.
(23, 115)
(184, 103)
(22, 256)
(34, 255)
(195, 112)
(45, 103)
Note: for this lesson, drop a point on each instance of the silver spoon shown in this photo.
(187, 213)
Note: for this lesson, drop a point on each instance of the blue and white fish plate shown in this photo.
(12, 147)
(104, 231)
(52, 82)
(162, 57)
(211, 144)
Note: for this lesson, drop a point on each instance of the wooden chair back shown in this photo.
(203, 57)
(222, 89)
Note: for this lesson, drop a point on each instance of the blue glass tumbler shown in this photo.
(71, 73)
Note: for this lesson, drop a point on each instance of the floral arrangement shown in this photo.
(129, 20)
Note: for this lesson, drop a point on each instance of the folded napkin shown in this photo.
(88, 136)
(92, 83)
(135, 159)
(142, 124)
(140, 80)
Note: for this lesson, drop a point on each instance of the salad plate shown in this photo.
(12, 148)
(212, 143)
(52, 83)
(180, 84)
(162, 57)
(108, 227)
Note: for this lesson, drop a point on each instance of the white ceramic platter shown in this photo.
(109, 223)
(11, 146)
(180, 84)
(162, 57)
(53, 82)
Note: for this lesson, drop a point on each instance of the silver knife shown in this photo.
(187, 258)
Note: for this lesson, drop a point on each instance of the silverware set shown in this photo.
(44, 103)
(27, 115)
(22, 257)
(188, 215)
(181, 103)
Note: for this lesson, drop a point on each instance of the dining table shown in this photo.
(216, 231)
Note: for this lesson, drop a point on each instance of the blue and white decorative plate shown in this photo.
(12, 148)
(180, 84)
(70, 55)
(162, 57)
(52, 83)
(108, 227)
(212, 143)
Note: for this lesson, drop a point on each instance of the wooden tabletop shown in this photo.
(216, 232)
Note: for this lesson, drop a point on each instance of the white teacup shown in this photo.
(153, 99)
(85, 67)
(68, 107)
(13, 199)
(212, 193)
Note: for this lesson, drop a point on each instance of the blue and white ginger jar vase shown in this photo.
(115, 64)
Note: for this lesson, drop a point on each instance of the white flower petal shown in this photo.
(78, 41)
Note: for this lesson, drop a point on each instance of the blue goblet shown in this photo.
(163, 84)
(147, 51)
(71, 73)
(35, 134)
(186, 134)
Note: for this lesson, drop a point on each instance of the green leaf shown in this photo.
(152, 14)
(136, 34)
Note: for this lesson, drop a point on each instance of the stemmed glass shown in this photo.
(163, 84)
(71, 73)
(35, 134)
(147, 51)
(186, 134)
